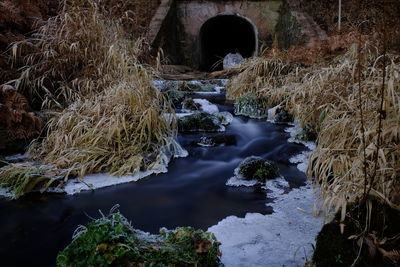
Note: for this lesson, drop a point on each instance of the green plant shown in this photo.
(256, 168)
(111, 240)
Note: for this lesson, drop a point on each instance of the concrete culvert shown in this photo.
(224, 34)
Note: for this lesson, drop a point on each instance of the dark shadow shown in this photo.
(225, 34)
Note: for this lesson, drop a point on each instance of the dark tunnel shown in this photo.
(225, 34)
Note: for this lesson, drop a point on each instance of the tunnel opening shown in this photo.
(224, 34)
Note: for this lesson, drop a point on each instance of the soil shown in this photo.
(381, 240)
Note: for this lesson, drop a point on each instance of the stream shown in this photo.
(193, 192)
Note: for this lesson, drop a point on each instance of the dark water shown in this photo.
(36, 227)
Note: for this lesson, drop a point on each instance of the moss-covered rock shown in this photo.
(196, 87)
(257, 168)
(252, 106)
(112, 241)
(282, 115)
(175, 97)
(199, 122)
(189, 104)
(308, 133)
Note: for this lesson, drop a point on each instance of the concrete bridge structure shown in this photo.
(200, 33)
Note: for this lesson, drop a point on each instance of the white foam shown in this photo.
(283, 238)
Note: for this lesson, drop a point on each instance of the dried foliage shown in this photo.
(329, 97)
(260, 75)
(17, 121)
(80, 52)
(106, 115)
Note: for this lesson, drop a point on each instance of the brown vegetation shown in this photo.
(106, 116)
(353, 100)
(17, 121)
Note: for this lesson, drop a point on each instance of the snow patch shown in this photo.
(283, 238)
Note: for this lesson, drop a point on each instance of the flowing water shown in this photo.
(34, 228)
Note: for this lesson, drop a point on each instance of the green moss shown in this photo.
(199, 122)
(252, 106)
(256, 168)
(112, 241)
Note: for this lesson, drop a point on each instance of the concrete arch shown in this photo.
(192, 15)
(226, 33)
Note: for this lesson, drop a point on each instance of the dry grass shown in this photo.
(259, 76)
(106, 117)
(329, 97)
(79, 52)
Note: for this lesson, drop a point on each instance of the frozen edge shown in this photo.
(294, 132)
(95, 181)
(283, 238)
(101, 180)
(289, 232)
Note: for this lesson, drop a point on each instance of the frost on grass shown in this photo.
(200, 122)
(283, 238)
(112, 241)
(253, 170)
(251, 106)
(48, 178)
(279, 114)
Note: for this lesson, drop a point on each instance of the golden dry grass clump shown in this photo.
(332, 97)
(106, 116)
(260, 76)
(79, 52)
